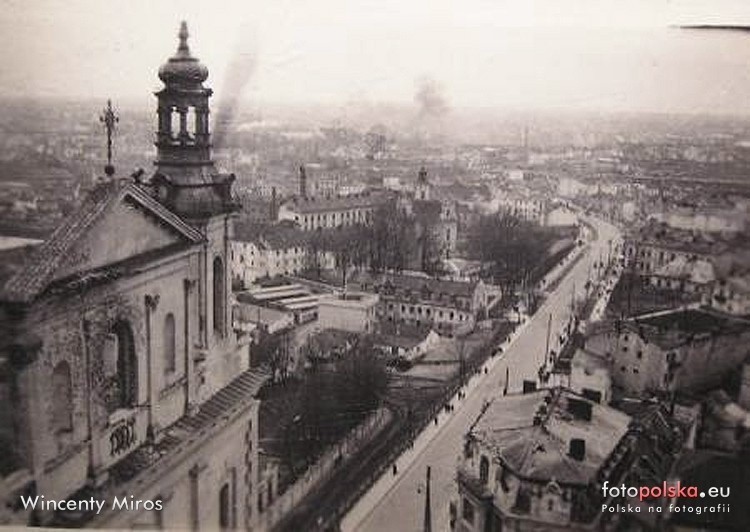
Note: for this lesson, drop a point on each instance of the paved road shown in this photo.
(396, 504)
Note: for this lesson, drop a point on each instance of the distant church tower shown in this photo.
(422, 191)
(186, 182)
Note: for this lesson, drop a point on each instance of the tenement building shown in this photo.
(686, 350)
(449, 307)
(538, 462)
(330, 211)
(123, 380)
(259, 251)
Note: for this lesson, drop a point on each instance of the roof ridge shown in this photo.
(28, 282)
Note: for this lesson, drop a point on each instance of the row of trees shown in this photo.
(331, 400)
(517, 248)
(390, 242)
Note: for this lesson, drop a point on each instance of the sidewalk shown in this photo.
(388, 480)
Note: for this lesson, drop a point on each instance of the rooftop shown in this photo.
(336, 203)
(531, 434)
(663, 236)
(271, 236)
(674, 327)
(428, 286)
(689, 321)
(29, 281)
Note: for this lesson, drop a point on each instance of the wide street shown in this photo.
(397, 503)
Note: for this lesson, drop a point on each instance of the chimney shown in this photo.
(580, 409)
(302, 182)
(577, 449)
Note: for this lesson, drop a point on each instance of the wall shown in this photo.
(354, 316)
(189, 485)
(61, 458)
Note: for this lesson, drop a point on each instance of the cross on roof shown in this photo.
(109, 119)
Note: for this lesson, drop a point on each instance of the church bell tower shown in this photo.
(185, 179)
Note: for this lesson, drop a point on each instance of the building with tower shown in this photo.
(435, 219)
(123, 378)
(537, 462)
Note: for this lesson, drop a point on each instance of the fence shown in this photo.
(322, 469)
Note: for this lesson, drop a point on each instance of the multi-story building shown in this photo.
(537, 462)
(732, 294)
(682, 350)
(312, 213)
(259, 252)
(451, 307)
(655, 246)
(123, 379)
(525, 207)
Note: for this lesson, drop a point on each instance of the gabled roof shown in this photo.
(31, 280)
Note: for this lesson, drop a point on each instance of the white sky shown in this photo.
(562, 54)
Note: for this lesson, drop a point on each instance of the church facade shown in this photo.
(121, 375)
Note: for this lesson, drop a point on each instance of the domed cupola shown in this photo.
(185, 179)
(183, 69)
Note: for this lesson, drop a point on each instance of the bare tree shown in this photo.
(273, 350)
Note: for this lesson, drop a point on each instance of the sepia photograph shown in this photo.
(375, 265)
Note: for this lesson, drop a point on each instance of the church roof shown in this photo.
(28, 282)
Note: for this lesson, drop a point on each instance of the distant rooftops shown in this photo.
(336, 203)
(283, 235)
(663, 236)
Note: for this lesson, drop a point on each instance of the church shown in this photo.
(121, 374)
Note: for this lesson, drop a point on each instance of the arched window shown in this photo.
(484, 469)
(127, 367)
(62, 398)
(219, 296)
(170, 348)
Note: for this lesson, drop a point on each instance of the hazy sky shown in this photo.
(560, 54)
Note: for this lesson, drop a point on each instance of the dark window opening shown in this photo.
(126, 380)
(62, 398)
(224, 507)
(170, 347)
(219, 296)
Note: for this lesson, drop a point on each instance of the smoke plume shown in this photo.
(239, 73)
(430, 99)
